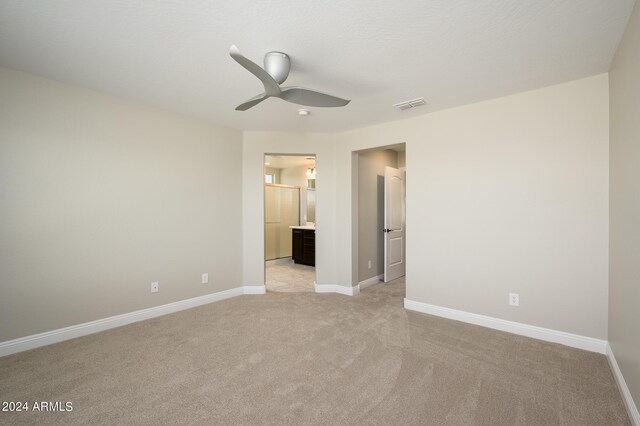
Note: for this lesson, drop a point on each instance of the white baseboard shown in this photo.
(632, 409)
(341, 289)
(549, 335)
(370, 281)
(54, 336)
(254, 289)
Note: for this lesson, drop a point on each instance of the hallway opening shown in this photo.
(289, 222)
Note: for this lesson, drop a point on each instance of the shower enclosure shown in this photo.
(282, 210)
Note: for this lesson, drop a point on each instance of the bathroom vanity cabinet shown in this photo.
(304, 245)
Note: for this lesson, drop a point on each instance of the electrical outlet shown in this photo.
(155, 287)
(369, 264)
(205, 278)
(514, 299)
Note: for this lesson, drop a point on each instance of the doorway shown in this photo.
(379, 252)
(289, 222)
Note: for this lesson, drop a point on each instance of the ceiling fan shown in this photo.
(275, 72)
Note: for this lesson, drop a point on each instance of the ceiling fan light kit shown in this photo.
(275, 72)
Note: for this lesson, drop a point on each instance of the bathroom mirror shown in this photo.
(311, 205)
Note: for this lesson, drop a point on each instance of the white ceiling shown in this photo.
(174, 53)
(286, 161)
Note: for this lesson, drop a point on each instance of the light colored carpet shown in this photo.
(304, 358)
(283, 275)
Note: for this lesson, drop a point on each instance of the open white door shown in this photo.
(394, 265)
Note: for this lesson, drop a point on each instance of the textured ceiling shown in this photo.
(174, 54)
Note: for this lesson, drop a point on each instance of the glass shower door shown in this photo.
(282, 210)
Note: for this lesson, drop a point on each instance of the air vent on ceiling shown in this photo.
(410, 104)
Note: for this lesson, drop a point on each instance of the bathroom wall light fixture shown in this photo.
(311, 173)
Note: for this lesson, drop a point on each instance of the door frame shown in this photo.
(354, 206)
(264, 213)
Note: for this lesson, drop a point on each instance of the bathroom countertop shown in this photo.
(303, 227)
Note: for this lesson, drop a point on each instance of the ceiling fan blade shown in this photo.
(252, 102)
(308, 97)
(271, 88)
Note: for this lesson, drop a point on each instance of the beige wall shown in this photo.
(371, 210)
(99, 197)
(624, 274)
(507, 195)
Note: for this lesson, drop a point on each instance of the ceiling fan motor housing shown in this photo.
(277, 64)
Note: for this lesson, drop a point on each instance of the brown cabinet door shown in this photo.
(304, 246)
(309, 247)
(297, 245)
